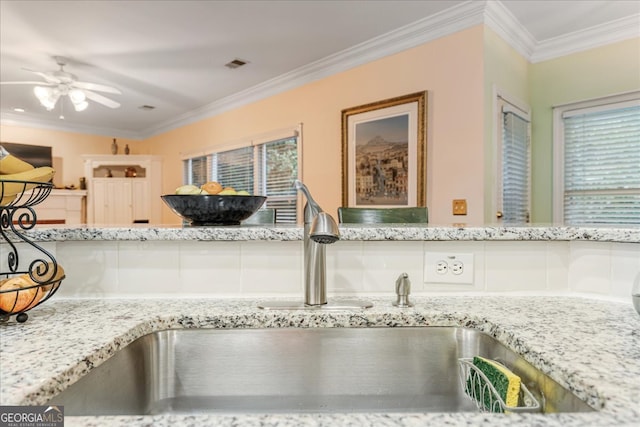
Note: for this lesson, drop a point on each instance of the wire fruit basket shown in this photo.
(22, 289)
(487, 399)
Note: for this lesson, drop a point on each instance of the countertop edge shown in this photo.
(348, 232)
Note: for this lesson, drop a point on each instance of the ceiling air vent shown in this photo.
(236, 63)
(147, 107)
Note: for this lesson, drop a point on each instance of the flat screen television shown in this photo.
(36, 155)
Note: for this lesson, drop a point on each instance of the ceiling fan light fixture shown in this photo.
(41, 92)
(47, 96)
(77, 96)
(60, 83)
(80, 106)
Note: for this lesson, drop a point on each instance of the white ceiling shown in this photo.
(171, 54)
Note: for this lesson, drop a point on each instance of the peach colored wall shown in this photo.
(67, 148)
(458, 70)
(450, 68)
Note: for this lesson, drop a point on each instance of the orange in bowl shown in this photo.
(22, 295)
(212, 187)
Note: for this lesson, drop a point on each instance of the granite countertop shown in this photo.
(589, 346)
(374, 232)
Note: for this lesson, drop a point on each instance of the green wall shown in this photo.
(595, 73)
(506, 71)
(598, 72)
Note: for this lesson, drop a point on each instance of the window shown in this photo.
(265, 168)
(234, 168)
(597, 155)
(513, 189)
(277, 169)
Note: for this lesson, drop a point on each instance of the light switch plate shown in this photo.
(459, 206)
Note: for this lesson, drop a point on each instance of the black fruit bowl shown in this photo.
(213, 209)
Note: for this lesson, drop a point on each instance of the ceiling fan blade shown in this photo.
(96, 87)
(101, 99)
(28, 83)
(49, 77)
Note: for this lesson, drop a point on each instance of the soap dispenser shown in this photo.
(403, 289)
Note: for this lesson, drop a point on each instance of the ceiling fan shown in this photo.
(61, 83)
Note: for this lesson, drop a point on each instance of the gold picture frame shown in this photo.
(384, 153)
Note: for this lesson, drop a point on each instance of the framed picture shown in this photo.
(384, 153)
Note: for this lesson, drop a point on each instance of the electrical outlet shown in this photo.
(440, 267)
(457, 267)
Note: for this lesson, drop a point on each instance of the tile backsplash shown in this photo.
(275, 268)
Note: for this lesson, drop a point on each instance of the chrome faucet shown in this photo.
(320, 229)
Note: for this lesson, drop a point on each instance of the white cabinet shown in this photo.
(62, 207)
(112, 201)
(123, 189)
(140, 202)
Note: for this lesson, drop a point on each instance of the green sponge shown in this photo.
(506, 383)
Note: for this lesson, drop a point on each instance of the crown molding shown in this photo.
(11, 119)
(492, 13)
(501, 20)
(601, 35)
(507, 26)
(447, 22)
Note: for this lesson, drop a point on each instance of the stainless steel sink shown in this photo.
(297, 370)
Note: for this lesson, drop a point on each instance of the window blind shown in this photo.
(268, 169)
(515, 168)
(276, 173)
(602, 165)
(195, 170)
(234, 168)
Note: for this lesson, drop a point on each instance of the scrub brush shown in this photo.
(506, 383)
